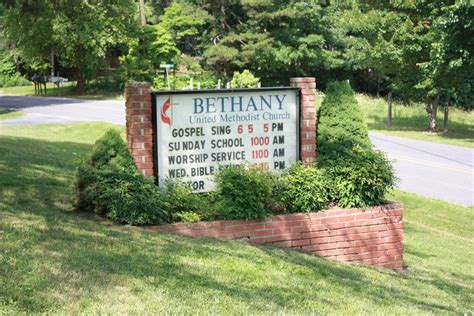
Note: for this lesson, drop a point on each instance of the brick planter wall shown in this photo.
(371, 236)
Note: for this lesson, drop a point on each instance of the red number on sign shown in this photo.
(265, 127)
(250, 127)
(240, 129)
(260, 141)
(258, 154)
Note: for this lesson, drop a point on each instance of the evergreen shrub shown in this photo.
(358, 178)
(360, 175)
(340, 121)
(108, 183)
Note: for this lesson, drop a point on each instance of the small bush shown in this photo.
(245, 79)
(190, 217)
(109, 184)
(15, 80)
(359, 178)
(340, 121)
(245, 192)
(305, 189)
(181, 203)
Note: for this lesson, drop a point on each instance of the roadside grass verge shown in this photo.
(55, 260)
(67, 90)
(411, 121)
(7, 114)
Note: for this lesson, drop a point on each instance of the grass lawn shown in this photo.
(65, 91)
(55, 260)
(7, 114)
(412, 121)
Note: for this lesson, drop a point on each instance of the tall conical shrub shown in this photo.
(340, 121)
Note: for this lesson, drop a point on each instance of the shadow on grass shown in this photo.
(55, 257)
(419, 123)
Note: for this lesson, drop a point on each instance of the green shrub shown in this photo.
(245, 192)
(13, 81)
(190, 217)
(245, 79)
(109, 184)
(359, 178)
(340, 121)
(181, 202)
(305, 189)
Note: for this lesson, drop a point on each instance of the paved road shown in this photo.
(43, 110)
(431, 169)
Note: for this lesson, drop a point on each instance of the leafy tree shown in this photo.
(80, 33)
(151, 45)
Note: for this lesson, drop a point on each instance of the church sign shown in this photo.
(198, 131)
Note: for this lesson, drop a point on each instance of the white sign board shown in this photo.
(199, 131)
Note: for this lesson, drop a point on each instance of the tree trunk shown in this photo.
(141, 8)
(432, 110)
(446, 114)
(52, 64)
(222, 17)
(81, 81)
(389, 116)
(378, 86)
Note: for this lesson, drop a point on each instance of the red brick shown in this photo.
(244, 227)
(147, 151)
(283, 237)
(335, 252)
(144, 165)
(301, 229)
(148, 172)
(138, 111)
(134, 97)
(147, 158)
(135, 132)
(141, 125)
(306, 91)
(337, 238)
(296, 80)
(140, 139)
(390, 246)
(319, 240)
(309, 97)
(300, 242)
(134, 104)
(284, 224)
(259, 233)
(138, 146)
(311, 128)
(392, 232)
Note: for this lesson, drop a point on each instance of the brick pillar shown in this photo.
(138, 108)
(307, 117)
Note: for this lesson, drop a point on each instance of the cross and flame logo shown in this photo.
(164, 117)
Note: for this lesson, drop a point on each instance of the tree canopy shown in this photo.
(419, 50)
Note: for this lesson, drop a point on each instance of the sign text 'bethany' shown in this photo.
(198, 132)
